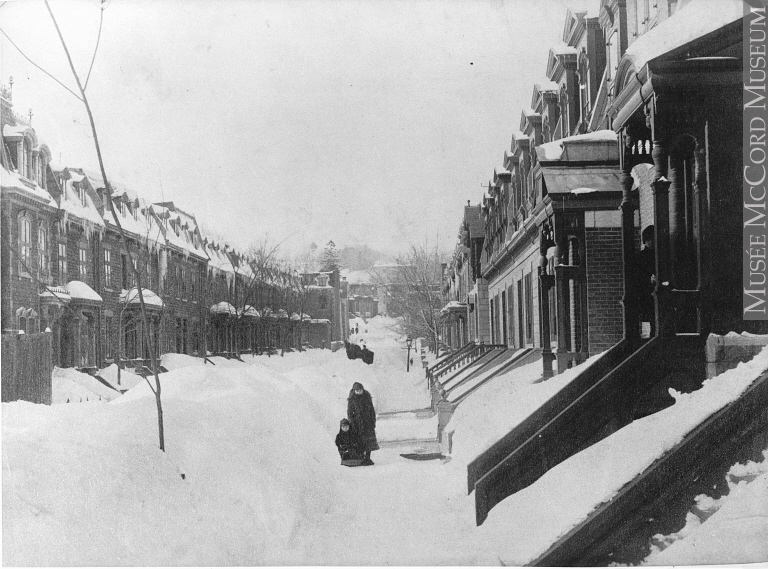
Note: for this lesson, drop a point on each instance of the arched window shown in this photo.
(25, 242)
(42, 249)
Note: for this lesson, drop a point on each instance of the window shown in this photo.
(24, 149)
(107, 268)
(528, 309)
(493, 322)
(323, 302)
(178, 282)
(108, 337)
(184, 283)
(81, 194)
(124, 270)
(504, 317)
(520, 313)
(83, 265)
(41, 163)
(62, 263)
(178, 336)
(42, 249)
(135, 270)
(25, 243)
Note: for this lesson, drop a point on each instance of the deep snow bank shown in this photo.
(526, 523)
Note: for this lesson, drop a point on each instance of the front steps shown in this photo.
(658, 499)
(628, 382)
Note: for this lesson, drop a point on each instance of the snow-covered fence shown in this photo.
(26, 367)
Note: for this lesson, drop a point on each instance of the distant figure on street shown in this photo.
(366, 355)
(646, 261)
(348, 442)
(362, 418)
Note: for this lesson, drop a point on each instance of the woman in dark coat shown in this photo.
(347, 442)
(362, 417)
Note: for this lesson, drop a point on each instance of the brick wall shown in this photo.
(18, 288)
(604, 287)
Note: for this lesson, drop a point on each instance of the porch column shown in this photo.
(701, 215)
(631, 294)
(677, 243)
(661, 222)
(582, 282)
(546, 281)
(561, 295)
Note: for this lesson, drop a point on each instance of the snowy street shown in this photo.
(262, 481)
(85, 484)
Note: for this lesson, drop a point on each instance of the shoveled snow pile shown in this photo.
(88, 388)
(261, 484)
(126, 381)
(176, 361)
(505, 402)
(714, 527)
(528, 522)
(64, 390)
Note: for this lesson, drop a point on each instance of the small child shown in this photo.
(347, 442)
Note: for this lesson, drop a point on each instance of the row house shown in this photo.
(464, 318)
(326, 297)
(674, 97)
(363, 300)
(77, 261)
(630, 132)
(552, 247)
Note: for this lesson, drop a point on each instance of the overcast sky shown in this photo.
(363, 122)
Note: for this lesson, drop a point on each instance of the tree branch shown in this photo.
(98, 39)
(36, 65)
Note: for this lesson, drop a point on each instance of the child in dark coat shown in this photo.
(347, 442)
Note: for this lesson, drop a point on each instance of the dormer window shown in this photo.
(81, 194)
(136, 213)
(122, 209)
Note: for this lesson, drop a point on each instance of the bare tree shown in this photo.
(156, 389)
(411, 290)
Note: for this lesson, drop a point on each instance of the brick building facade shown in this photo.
(66, 268)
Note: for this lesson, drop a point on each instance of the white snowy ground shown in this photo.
(85, 484)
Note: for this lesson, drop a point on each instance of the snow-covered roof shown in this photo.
(695, 19)
(15, 131)
(218, 259)
(250, 312)
(554, 150)
(357, 276)
(223, 308)
(563, 49)
(547, 86)
(72, 204)
(132, 297)
(12, 181)
(55, 292)
(78, 290)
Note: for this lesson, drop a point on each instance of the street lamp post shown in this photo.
(408, 342)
